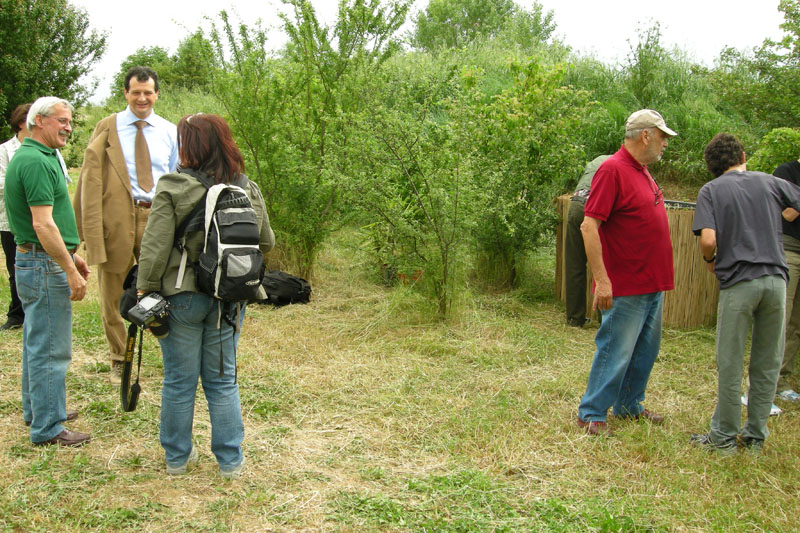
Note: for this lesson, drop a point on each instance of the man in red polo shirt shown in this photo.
(626, 234)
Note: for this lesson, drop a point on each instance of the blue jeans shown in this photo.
(759, 302)
(46, 342)
(627, 345)
(195, 348)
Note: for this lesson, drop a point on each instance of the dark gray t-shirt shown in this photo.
(744, 209)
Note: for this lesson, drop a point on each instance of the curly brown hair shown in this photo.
(723, 152)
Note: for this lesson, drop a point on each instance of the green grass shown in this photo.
(362, 413)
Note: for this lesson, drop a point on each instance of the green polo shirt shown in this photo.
(34, 177)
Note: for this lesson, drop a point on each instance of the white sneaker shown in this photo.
(774, 410)
(179, 470)
(235, 473)
(788, 395)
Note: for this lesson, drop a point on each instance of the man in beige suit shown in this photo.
(126, 155)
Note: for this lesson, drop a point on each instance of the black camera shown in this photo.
(151, 312)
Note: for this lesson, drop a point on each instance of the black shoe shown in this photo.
(578, 323)
(11, 324)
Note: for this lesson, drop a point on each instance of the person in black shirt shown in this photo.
(791, 244)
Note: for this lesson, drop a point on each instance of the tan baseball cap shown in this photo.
(648, 118)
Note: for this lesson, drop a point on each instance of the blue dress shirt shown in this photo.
(162, 142)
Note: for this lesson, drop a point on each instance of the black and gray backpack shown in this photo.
(231, 266)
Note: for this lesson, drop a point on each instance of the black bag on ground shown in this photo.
(284, 289)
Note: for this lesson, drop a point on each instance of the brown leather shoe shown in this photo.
(67, 438)
(595, 428)
(655, 418)
(72, 414)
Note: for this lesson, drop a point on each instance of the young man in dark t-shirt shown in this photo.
(737, 221)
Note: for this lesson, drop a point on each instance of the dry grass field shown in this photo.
(364, 414)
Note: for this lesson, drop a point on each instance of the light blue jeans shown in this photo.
(195, 348)
(627, 345)
(46, 342)
(759, 302)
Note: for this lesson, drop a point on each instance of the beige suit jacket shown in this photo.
(103, 200)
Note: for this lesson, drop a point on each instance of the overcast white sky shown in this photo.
(603, 28)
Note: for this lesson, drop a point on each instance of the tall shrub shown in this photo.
(287, 109)
(412, 175)
(779, 146)
(527, 150)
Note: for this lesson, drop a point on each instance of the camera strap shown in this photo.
(130, 393)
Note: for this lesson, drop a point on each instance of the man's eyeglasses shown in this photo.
(658, 191)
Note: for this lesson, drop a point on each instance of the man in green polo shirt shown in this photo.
(49, 274)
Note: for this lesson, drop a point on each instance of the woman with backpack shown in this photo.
(202, 338)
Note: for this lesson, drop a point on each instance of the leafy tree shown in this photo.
(46, 49)
(154, 57)
(529, 29)
(455, 23)
(762, 85)
(251, 87)
(191, 62)
(189, 67)
(327, 65)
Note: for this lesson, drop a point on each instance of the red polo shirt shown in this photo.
(637, 250)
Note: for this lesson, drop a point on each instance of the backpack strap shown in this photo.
(192, 222)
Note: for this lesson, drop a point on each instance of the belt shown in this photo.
(142, 203)
(33, 247)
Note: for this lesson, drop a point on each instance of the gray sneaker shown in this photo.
(235, 472)
(179, 470)
(703, 440)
